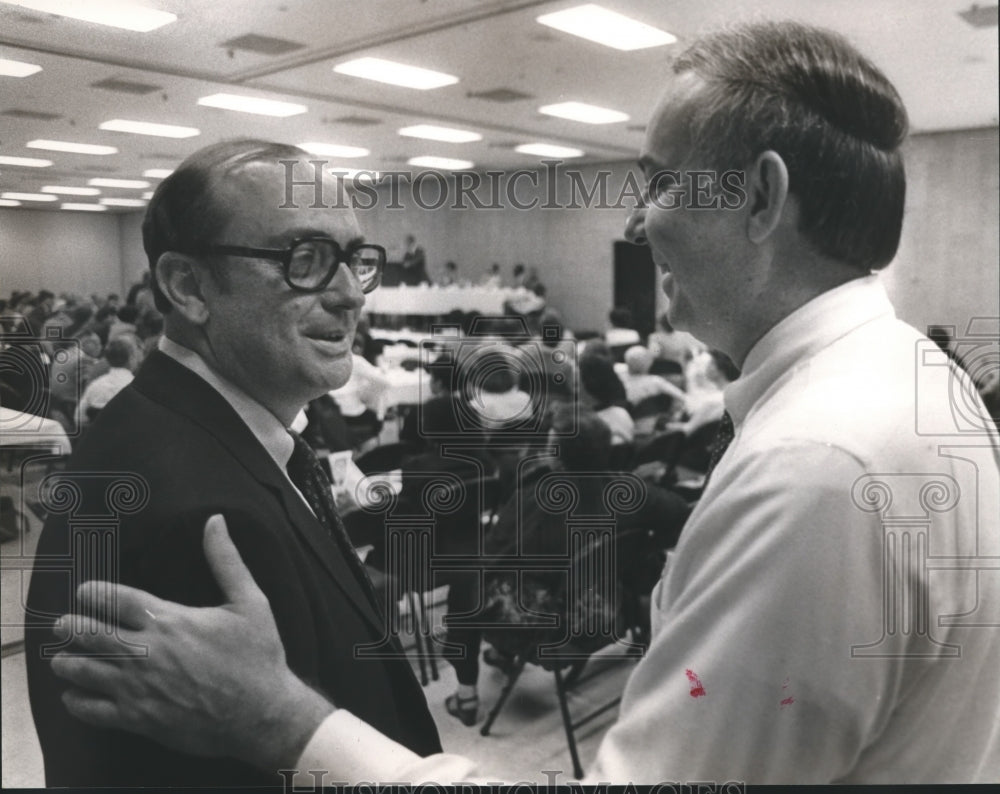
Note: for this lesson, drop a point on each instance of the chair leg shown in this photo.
(418, 639)
(512, 677)
(425, 630)
(574, 673)
(567, 724)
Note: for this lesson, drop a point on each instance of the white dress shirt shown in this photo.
(853, 499)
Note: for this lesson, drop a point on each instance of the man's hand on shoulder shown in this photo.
(209, 681)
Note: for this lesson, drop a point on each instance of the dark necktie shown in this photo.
(723, 438)
(307, 474)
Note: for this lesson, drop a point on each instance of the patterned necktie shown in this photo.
(723, 438)
(306, 472)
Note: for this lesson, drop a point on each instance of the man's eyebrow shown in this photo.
(299, 232)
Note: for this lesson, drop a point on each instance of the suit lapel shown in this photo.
(179, 389)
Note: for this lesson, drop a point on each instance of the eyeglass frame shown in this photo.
(283, 256)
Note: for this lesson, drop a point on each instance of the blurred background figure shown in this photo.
(414, 263)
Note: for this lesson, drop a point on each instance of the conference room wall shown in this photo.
(73, 252)
(946, 271)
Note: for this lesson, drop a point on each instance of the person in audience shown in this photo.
(76, 362)
(493, 389)
(124, 322)
(260, 306)
(671, 349)
(774, 655)
(639, 384)
(494, 278)
(622, 333)
(40, 310)
(527, 525)
(603, 392)
(450, 275)
(414, 263)
(708, 374)
(362, 399)
(122, 354)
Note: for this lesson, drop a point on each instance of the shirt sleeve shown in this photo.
(750, 675)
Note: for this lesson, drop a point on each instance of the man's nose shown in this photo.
(344, 291)
(635, 229)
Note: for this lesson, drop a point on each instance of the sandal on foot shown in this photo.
(465, 709)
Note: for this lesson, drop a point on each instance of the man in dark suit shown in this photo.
(260, 310)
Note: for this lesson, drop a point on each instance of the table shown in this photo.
(432, 301)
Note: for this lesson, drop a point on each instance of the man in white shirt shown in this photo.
(830, 614)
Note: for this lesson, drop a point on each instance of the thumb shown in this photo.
(231, 574)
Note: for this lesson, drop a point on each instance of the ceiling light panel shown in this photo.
(70, 146)
(113, 13)
(394, 73)
(334, 149)
(446, 134)
(581, 111)
(24, 162)
(9, 68)
(149, 128)
(594, 23)
(442, 163)
(80, 207)
(65, 190)
(548, 150)
(249, 104)
(129, 184)
(4, 202)
(157, 173)
(29, 196)
(122, 202)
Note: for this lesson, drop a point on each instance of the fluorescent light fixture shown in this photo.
(26, 162)
(334, 149)
(359, 174)
(395, 73)
(9, 68)
(114, 13)
(69, 205)
(71, 191)
(149, 128)
(443, 163)
(9, 203)
(120, 202)
(581, 111)
(606, 27)
(138, 184)
(148, 195)
(28, 196)
(251, 104)
(446, 134)
(67, 146)
(548, 150)
(158, 173)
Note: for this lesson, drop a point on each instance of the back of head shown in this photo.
(638, 359)
(833, 117)
(589, 447)
(182, 215)
(120, 351)
(599, 379)
(621, 317)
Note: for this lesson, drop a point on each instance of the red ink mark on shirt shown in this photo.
(697, 690)
(787, 702)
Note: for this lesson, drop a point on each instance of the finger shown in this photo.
(91, 636)
(93, 709)
(227, 565)
(95, 675)
(119, 603)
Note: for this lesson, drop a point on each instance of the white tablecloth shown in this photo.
(433, 301)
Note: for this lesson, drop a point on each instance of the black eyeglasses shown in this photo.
(310, 263)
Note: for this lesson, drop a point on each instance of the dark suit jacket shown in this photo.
(171, 435)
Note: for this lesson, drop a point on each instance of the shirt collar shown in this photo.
(810, 328)
(265, 426)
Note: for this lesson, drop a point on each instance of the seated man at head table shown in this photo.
(260, 308)
(774, 654)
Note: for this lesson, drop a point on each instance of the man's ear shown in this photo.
(767, 195)
(181, 279)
